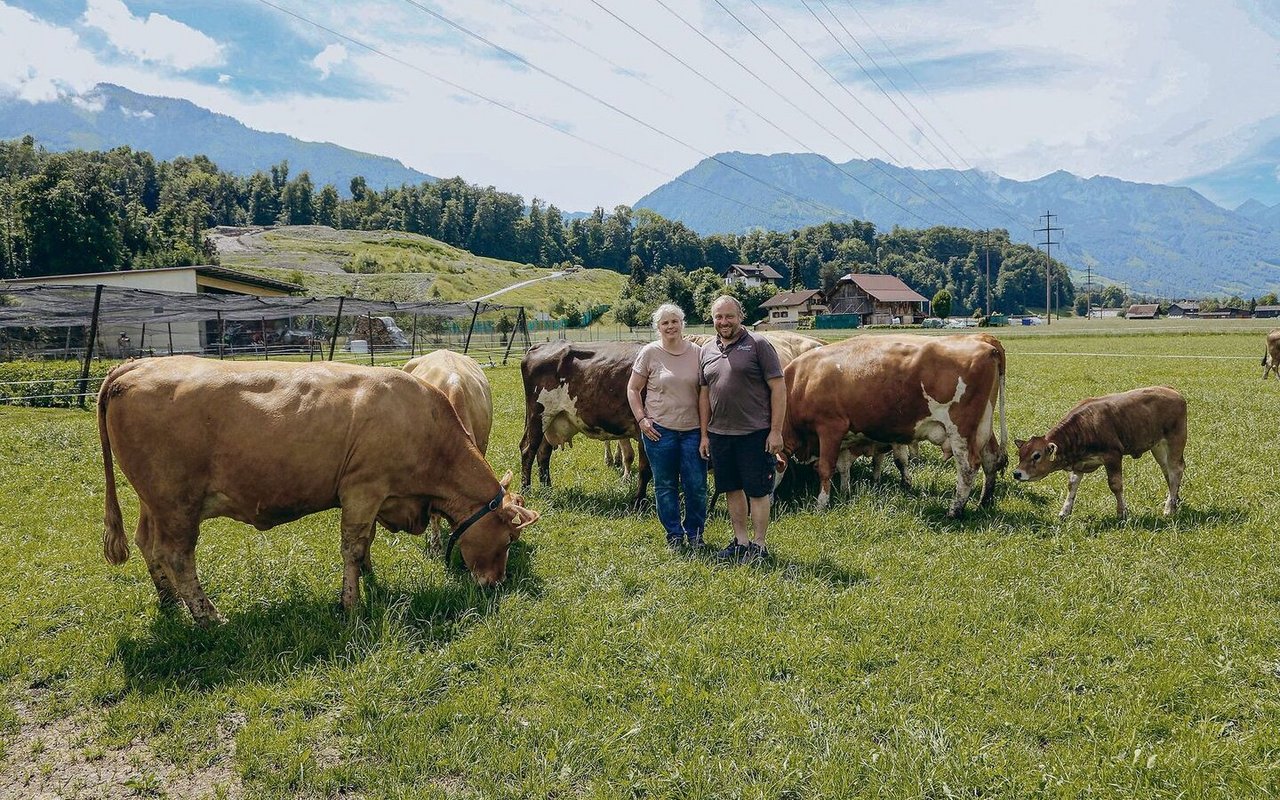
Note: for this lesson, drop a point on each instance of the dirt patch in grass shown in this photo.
(61, 760)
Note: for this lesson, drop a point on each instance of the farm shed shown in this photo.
(126, 338)
(1184, 308)
(1142, 311)
(1266, 312)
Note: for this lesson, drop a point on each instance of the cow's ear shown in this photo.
(1053, 451)
(506, 479)
(1018, 443)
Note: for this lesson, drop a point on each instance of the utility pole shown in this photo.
(1048, 242)
(986, 249)
(1088, 291)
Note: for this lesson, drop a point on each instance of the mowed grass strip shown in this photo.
(888, 652)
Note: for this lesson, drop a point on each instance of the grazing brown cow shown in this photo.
(269, 442)
(1101, 431)
(463, 382)
(1271, 358)
(895, 390)
(573, 388)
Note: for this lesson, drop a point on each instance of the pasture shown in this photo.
(886, 652)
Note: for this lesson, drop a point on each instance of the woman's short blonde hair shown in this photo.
(667, 310)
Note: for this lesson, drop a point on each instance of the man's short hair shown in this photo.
(728, 298)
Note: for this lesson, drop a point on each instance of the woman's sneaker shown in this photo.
(675, 543)
(695, 542)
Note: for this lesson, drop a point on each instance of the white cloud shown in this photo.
(40, 61)
(224, 78)
(328, 58)
(157, 39)
(143, 114)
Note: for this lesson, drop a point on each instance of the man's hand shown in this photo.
(704, 448)
(773, 444)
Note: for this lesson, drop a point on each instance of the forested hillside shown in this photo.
(80, 211)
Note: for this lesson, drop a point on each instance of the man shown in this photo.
(742, 402)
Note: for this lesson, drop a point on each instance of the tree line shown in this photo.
(89, 211)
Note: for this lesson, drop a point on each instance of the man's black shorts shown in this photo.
(741, 462)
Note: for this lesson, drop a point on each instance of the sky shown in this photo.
(597, 102)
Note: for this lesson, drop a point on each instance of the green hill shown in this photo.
(394, 265)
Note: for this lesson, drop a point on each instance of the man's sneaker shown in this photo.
(695, 542)
(732, 552)
(675, 543)
(754, 553)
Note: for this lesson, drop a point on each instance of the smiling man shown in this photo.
(742, 402)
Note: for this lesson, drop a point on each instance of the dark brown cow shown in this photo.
(1101, 431)
(269, 442)
(573, 388)
(1271, 357)
(895, 390)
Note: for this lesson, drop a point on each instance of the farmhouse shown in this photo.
(1184, 308)
(1142, 311)
(878, 300)
(132, 338)
(785, 310)
(752, 275)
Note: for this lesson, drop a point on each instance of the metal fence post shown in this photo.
(88, 349)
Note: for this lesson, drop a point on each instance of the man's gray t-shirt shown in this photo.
(737, 377)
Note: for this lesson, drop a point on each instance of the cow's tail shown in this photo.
(1000, 392)
(114, 545)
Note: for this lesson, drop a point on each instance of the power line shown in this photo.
(670, 137)
(982, 192)
(748, 107)
(831, 103)
(624, 70)
(516, 111)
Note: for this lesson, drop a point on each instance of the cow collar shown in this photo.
(492, 505)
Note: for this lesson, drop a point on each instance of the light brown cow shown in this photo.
(895, 390)
(1271, 357)
(463, 382)
(1101, 431)
(269, 442)
(787, 344)
(621, 459)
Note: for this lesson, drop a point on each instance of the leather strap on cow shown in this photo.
(492, 505)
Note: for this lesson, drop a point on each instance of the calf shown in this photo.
(1101, 431)
(1271, 356)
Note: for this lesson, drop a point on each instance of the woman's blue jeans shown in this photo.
(676, 464)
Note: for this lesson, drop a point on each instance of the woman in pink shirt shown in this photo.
(663, 393)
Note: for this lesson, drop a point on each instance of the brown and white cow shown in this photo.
(895, 390)
(1101, 431)
(1271, 357)
(623, 458)
(269, 442)
(573, 388)
(461, 380)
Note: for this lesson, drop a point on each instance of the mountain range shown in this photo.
(110, 116)
(1160, 240)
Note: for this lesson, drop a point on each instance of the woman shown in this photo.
(663, 393)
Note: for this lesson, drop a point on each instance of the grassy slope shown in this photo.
(887, 653)
(410, 267)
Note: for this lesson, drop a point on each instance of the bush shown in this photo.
(25, 383)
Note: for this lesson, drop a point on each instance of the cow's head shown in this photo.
(1037, 457)
(485, 545)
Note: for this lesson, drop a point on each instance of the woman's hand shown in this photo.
(646, 427)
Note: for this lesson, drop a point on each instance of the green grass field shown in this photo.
(887, 652)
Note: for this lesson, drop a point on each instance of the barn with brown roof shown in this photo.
(878, 299)
(1142, 311)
